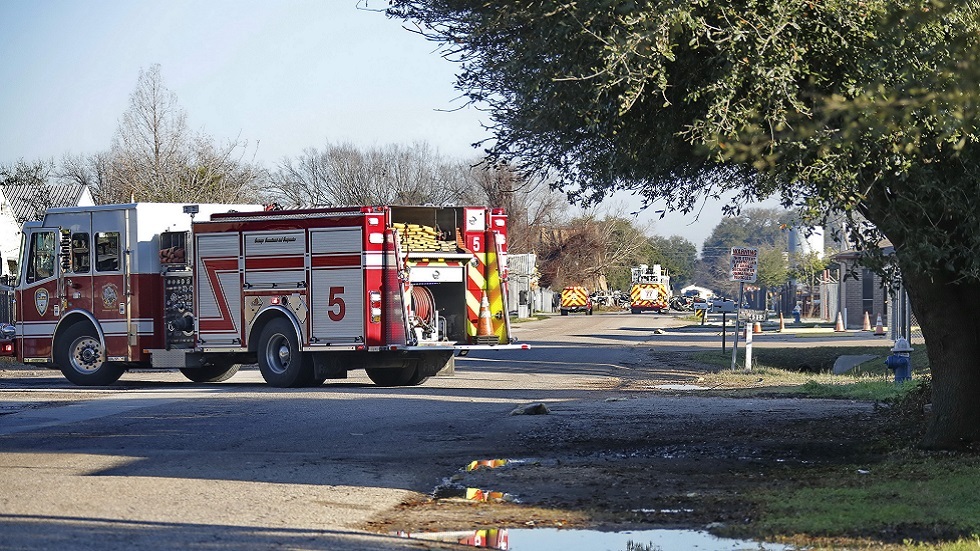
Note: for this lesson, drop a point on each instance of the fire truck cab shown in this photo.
(307, 294)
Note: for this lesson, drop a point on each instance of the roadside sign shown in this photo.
(745, 263)
(722, 307)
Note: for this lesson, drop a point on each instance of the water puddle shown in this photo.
(452, 487)
(486, 539)
(553, 539)
(680, 387)
(489, 464)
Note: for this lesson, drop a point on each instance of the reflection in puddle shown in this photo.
(476, 494)
(487, 539)
(450, 491)
(452, 488)
(553, 539)
(680, 387)
(487, 463)
(662, 511)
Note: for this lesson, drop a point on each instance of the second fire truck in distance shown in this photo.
(650, 290)
(575, 299)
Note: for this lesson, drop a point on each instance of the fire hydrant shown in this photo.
(899, 361)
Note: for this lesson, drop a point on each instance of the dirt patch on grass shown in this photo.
(640, 461)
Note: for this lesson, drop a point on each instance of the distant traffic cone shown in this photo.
(782, 323)
(484, 330)
(757, 328)
(879, 328)
(867, 322)
(839, 328)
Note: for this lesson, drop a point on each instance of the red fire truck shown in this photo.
(307, 294)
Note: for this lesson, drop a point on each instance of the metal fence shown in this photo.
(522, 299)
(902, 322)
(829, 301)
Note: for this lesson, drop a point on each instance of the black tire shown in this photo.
(280, 360)
(82, 359)
(634, 311)
(217, 371)
(564, 312)
(588, 312)
(405, 376)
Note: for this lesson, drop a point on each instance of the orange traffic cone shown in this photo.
(757, 328)
(867, 322)
(782, 323)
(484, 330)
(839, 328)
(879, 328)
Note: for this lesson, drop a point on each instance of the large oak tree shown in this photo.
(866, 107)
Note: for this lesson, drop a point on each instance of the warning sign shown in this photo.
(745, 264)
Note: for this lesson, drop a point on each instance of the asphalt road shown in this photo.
(158, 462)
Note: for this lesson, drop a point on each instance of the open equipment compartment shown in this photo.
(437, 270)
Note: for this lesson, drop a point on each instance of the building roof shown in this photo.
(29, 201)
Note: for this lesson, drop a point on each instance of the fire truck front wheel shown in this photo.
(280, 360)
(81, 357)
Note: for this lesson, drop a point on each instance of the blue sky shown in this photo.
(288, 74)
(291, 74)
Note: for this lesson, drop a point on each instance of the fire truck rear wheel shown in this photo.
(280, 360)
(82, 360)
(405, 376)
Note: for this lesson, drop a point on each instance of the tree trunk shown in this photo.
(948, 315)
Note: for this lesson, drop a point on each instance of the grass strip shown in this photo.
(935, 498)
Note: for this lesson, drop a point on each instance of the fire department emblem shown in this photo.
(41, 300)
(110, 294)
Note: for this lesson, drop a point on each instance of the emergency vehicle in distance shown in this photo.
(575, 299)
(650, 290)
(307, 294)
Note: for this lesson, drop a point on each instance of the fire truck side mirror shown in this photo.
(65, 250)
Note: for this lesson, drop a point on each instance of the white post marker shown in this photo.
(744, 266)
(748, 346)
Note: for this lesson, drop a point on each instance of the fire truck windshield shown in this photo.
(41, 262)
